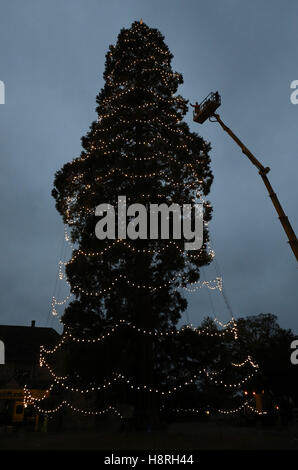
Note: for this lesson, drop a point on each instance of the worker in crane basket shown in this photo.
(196, 106)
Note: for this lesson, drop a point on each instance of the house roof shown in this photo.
(22, 343)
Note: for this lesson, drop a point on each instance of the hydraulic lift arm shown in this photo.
(292, 239)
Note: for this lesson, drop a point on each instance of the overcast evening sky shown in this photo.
(52, 56)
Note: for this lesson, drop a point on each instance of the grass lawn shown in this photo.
(184, 436)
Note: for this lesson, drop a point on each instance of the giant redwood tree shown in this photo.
(139, 147)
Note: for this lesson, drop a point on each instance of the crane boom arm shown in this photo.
(292, 239)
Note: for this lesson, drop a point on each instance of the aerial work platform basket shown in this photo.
(207, 107)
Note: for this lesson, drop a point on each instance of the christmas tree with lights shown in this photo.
(120, 336)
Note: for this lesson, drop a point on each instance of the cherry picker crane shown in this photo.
(206, 110)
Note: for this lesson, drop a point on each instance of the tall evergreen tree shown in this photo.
(141, 148)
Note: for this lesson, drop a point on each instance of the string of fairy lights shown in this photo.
(104, 147)
(143, 121)
(112, 409)
(212, 285)
(150, 104)
(161, 173)
(72, 220)
(109, 100)
(152, 174)
(234, 329)
(229, 328)
(132, 88)
(245, 405)
(165, 77)
(58, 379)
(119, 377)
(29, 400)
(196, 285)
(106, 151)
(145, 69)
(130, 246)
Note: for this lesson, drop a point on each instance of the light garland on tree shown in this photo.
(160, 173)
(165, 77)
(212, 285)
(116, 96)
(37, 399)
(61, 302)
(134, 62)
(88, 210)
(121, 377)
(104, 147)
(61, 273)
(166, 179)
(147, 143)
(231, 385)
(139, 121)
(125, 107)
(43, 362)
(114, 410)
(200, 284)
(146, 121)
(67, 238)
(130, 246)
(159, 334)
(259, 412)
(220, 411)
(27, 401)
(71, 220)
(148, 43)
(246, 361)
